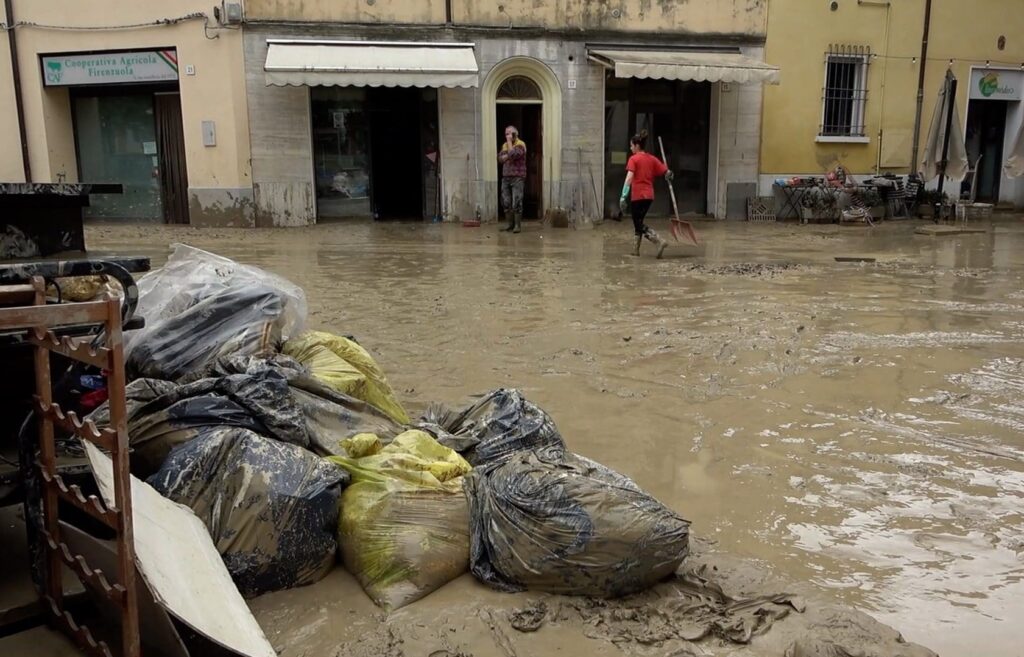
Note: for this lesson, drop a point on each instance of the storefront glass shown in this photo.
(341, 151)
(678, 113)
(117, 143)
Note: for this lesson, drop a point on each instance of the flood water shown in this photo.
(855, 427)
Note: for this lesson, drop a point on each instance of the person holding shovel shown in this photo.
(513, 178)
(638, 191)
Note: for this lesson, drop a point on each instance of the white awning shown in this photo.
(370, 64)
(683, 65)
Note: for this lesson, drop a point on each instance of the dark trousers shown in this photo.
(639, 210)
(512, 196)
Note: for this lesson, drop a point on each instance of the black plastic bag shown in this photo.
(163, 415)
(245, 320)
(549, 520)
(500, 424)
(271, 508)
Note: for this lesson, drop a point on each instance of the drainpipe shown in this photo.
(920, 85)
(16, 76)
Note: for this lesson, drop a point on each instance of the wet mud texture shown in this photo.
(852, 429)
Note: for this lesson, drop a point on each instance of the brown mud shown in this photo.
(851, 432)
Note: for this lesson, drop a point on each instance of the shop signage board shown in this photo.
(110, 68)
(997, 84)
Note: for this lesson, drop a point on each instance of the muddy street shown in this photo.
(853, 428)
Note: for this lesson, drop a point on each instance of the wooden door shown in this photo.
(171, 153)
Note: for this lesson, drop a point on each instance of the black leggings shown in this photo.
(639, 210)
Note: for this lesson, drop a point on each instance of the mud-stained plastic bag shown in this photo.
(163, 415)
(348, 368)
(404, 525)
(191, 275)
(271, 508)
(242, 321)
(549, 520)
(330, 415)
(497, 426)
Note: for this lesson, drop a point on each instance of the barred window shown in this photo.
(845, 94)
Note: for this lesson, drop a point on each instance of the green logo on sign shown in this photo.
(54, 72)
(989, 84)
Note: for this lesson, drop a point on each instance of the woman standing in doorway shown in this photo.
(641, 170)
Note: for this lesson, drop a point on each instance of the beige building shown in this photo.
(289, 112)
(159, 107)
(396, 109)
(850, 93)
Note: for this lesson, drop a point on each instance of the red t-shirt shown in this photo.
(645, 168)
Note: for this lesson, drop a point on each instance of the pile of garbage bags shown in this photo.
(295, 452)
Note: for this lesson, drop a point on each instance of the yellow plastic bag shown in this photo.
(348, 368)
(404, 523)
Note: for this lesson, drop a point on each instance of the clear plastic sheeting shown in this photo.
(271, 508)
(346, 367)
(549, 520)
(191, 275)
(233, 321)
(404, 525)
(498, 425)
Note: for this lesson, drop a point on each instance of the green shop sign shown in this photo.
(997, 84)
(110, 68)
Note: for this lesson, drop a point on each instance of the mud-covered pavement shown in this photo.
(852, 430)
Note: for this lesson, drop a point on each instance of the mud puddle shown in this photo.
(852, 427)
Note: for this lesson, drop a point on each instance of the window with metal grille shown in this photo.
(845, 94)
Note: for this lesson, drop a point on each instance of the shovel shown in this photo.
(678, 226)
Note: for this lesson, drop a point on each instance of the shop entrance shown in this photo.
(527, 118)
(132, 136)
(375, 152)
(679, 113)
(985, 136)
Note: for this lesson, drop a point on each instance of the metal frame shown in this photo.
(37, 320)
(860, 58)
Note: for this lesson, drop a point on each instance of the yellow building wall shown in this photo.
(348, 11)
(216, 92)
(799, 34)
(675, 16)
(702, 17)
(11, 167)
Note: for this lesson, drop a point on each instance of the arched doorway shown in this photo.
(519, 102)
(524, 92)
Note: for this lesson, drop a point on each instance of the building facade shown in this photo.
(395, 109)
(850, 93)
(289, 112)
(158, 107)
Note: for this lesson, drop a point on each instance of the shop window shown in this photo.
(845, 93)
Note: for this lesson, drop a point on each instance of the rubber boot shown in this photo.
(656, 240)
(517, 221)
(511, 223)
(636, 246)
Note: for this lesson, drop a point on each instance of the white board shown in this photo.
(177, 557)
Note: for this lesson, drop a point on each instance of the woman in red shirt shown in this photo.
(641, 170)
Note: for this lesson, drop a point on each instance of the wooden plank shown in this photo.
(64, 314)
(16, 294)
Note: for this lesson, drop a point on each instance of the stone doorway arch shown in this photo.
(519, 73)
